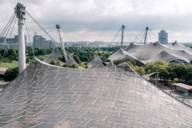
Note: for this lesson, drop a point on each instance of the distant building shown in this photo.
(40, 42)
(2, 40)
(9, 42)
(163, 37)
(180, 87)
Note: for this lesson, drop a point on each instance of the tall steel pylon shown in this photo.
(122, 35)
(20, 13)
(62, 44)
(146, 33)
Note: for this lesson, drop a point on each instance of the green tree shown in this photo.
(188, 74)
(139, 70)
(180, 70)
(171, 72)
(155, 66)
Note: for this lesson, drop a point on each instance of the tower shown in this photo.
(122, 34)
(163, 37)
(20, 13)
(62, 44)
(146, 32)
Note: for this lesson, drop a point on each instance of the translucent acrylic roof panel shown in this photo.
(50, 97)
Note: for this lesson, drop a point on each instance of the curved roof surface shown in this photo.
(121, 54)
(177, 46)
(96, 62)
(58, 53)
(45, 96)
(155, 51)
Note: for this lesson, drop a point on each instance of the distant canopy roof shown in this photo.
(121, 55)
(145, 53)
(96, 62)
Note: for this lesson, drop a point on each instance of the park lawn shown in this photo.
(12, 64)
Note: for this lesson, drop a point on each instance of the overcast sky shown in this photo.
(101, 19)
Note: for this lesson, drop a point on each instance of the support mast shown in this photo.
(146, 33)
(122, 35)
(62, 44)
(20, 13)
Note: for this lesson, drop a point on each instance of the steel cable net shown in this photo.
(47, 96)
(6, 38)
(54, 44)
(42, 44)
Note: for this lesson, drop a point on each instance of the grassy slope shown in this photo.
(9, 65)
(14, 64)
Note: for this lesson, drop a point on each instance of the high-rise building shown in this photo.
(9, 42)
(40, 42)
(163, 37)
(5, 40)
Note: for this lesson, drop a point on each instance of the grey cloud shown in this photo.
(96, 15)
(132, 23)
(22, 1)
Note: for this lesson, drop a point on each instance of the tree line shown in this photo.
(8, 55)
(168, 71)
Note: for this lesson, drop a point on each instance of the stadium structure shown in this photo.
(47, 96)
(145, 53)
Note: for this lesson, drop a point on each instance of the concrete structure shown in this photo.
(40, 42)
(163, 37)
